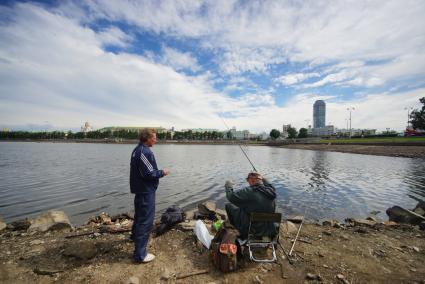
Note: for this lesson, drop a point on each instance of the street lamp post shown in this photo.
(350, 109)
(346, 126)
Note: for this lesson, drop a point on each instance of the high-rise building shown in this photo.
(319, 114)
(285, 129)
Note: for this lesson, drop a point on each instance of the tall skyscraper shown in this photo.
(319, 114)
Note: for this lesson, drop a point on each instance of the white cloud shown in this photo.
(341, 76)
(252, 36)
(53, 68)
(294, 78)
(114, 36)
(179, 60)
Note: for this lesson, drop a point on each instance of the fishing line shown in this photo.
(240, 147)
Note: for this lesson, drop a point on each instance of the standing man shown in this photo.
(144, 180)
(259, 196)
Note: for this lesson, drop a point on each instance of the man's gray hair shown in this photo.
(145, 134)
(255, 175)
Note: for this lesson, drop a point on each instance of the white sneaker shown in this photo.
(148, 258)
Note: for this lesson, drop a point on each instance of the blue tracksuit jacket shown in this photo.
(144, 173)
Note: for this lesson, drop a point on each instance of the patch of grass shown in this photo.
(376, 140)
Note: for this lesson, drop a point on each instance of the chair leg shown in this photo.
(261, 245)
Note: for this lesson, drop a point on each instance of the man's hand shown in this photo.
(229, 184)
(166, 171)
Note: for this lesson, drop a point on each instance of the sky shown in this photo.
(191, 64)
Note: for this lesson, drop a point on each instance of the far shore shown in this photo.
(406, 151)
(391, 149)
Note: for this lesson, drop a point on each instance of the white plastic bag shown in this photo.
(202, 233)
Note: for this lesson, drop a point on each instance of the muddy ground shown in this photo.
(355, 254)
(387, 150)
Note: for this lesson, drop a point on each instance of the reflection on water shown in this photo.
(86, 179)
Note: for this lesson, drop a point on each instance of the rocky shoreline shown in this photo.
(376, 150)
(49, 249)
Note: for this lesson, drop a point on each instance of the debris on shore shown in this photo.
(354, 251)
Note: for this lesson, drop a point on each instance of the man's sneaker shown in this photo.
(148, 258)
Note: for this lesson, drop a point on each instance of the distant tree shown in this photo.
(302, 133)
(292, 132)
(274, 134)
(229, 135)
(417, 117)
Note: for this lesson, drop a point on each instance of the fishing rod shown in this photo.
(255, 170)
(299, 229)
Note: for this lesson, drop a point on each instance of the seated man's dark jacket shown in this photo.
(256, 198)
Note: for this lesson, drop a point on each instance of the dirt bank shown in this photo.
(387, 150)
(357, 254)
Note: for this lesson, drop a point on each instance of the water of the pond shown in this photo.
(86, 179)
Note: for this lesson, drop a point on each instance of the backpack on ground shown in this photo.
(224, 250)
(169, 218)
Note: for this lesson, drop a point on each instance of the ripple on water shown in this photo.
(85, 179)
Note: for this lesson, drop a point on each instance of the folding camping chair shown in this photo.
(254, 241)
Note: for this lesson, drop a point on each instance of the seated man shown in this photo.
(259, 196)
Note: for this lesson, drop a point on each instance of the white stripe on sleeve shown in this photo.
(146, 162)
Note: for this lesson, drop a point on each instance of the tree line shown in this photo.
(417, 120)
(292, 133)
(120, 134)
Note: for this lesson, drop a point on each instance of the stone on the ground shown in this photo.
(36, 242)
(20, 225)
(82, 250)
(186, 226)
(289, 228)
(311, 276)
(40, 270)
(389, 223)
(121, 217)
(361, 230)
(421, 204)
(52, 220)
(166, 274)
(331, 223)
(345, 237)
(371, 219)
(419, 211)
(206, 208)
(358, 222)
(190, 214)
(105, 219)
(258, 280)
(133, 280)
(422, 225)
(296, 219)
(221, 213)
(2, 225)
(401, 215)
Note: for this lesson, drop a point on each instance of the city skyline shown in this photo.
(190, 64)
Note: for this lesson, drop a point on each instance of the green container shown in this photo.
(217, 225)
